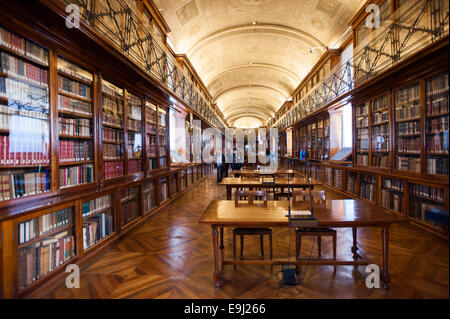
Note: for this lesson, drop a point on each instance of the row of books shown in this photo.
(392, 184)
(408, 145)
(21, 184)
(427, 191)
(74, 87)
(408, 163)
(112, 135)
(112, 106)
(150, 115)
(151, 128)
(436, 106)
(23, 70)
(437, 166)
(162, 151)
(408, 128)
(408, 112)
(38, 259)
(337, 178)
(112, 169)
(408, 94)
(367, 187)
(438, 125)
(380, 161)
(7, 113)
(134, 151)
(391, 200)
(152, 164)
(437, 84)
(437, 144)
(112, 152)
(130, 211)
(95, 205)
(149, 196)
(134, 166)
(25, 96)
(362, 109)
(151, 150)
(75, 151)
(362, 159)
(432, 214)
(111, 90)
(75, 127)
(73, 105)
(77, 175)
(351, 183)
(22, 46)
(362, 144)
(30, 229)
(96, 228)
(134, 125)
(111, 119)
(74, 70)
(11, 155)
(380, 117)
(380, 104)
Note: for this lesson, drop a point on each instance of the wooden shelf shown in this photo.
(24, 57)
(75, 114)
(23, 80)
(46, 235)
(75, 78)
(75, 163)
(76, 137)
(73, 96)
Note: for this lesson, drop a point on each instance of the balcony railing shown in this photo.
(424, 22)
(114, 20)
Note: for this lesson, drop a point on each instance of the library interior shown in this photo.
(238, 149)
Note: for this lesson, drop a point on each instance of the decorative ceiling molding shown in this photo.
(283, 95)
(277, 29)
(285, 71)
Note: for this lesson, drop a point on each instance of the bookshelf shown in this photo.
(134, 134)
(368, 187)
(163, 137)
(173, 184)
(151, 129)
(129, 205)
(25, 161)
(362, 134)
(164, 189)
(427, 206)
(392, 194)
(408, 132)
(436, 117)
(75, 125)
(352, 182)
(112, 130)
(98, 220)
(45, 243)
(379, 118)
(326, 139)
(149, 196)
(337, 178)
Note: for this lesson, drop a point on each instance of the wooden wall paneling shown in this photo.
(9, 258)
(78, 222)
(54, 133)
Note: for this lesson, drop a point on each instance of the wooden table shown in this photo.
(279, 172)
(350, 213)
(238, 182)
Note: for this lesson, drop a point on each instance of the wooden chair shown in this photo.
(317, 197)
(251, 195)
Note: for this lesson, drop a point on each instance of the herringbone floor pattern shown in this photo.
(170, 256)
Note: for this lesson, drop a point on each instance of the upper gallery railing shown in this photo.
(423, 22)
(115, 20)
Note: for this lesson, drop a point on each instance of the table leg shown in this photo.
(216, 274)
(228, 193)
(221, 238)
(386, 277)
(355, 243)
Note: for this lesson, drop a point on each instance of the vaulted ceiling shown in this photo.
(252, 54)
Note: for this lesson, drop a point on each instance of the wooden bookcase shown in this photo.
(74, 176)
(312, 139)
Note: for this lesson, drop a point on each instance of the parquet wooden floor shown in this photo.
(170, 256)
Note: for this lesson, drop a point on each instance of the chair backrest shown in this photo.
(250, 195)
(317, 196)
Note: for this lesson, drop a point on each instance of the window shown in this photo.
(347, 126)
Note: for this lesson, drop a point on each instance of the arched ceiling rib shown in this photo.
(252, 54)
